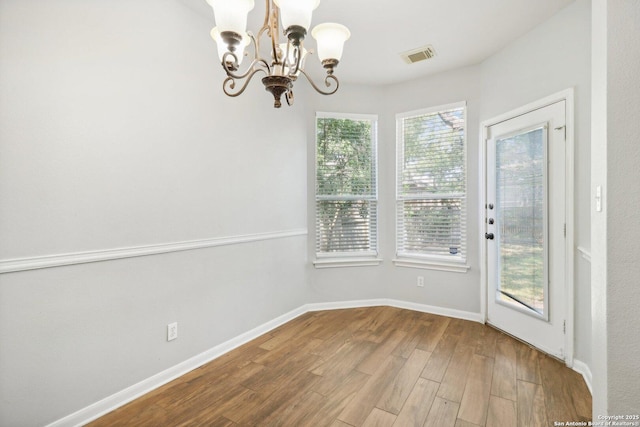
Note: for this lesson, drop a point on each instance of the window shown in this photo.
(431, 188)
(346, 189)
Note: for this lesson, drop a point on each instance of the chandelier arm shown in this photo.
(270, 16)
(298, 58)
(260, 33)
(326, 81)
(231, 83)
(286, 63)
(267, 14)
(256, 45)
(285, 59)
(272, 20)
(255, 65)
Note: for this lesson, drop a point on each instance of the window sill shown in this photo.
(431, 265)
(346, 262)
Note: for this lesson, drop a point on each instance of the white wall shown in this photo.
(617, 227)
(551, 58)
(114, 133)
(554, 56)
(599, 219)
(458, 291)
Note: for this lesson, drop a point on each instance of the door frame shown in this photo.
(566, 95)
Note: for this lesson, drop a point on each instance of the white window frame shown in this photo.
(431, 261)
(355, 258)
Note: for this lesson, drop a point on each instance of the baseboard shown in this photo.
(424, 308)
(584, 370)
(108, 404)
(340, 305)
(125, 396)
(441, 311)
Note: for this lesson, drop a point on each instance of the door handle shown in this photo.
(488, 236)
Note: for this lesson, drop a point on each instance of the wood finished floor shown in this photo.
(376, 366)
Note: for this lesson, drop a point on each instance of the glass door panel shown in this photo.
(521, 217)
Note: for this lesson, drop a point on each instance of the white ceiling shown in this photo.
(463, 32)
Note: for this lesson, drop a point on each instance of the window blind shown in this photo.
(431, 183)
(346, 185)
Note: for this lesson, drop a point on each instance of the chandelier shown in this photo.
(287, 59)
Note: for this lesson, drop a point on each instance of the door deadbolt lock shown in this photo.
(491, 221)
(488, 236)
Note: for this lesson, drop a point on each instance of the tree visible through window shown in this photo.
(431, 183)
(346, 185)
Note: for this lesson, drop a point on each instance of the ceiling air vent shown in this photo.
(419, 54)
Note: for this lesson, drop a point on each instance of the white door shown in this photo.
(525, 227)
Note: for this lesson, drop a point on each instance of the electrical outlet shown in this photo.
(421, 281)
(172, 331)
